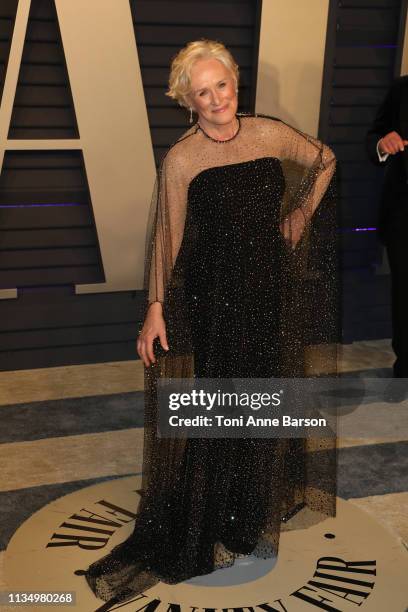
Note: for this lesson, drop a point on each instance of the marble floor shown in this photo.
(40, 463)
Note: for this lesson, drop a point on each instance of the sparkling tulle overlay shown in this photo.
(239, 301)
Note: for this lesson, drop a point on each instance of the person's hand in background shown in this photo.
(391, 144)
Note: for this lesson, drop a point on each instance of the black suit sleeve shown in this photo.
(384, 122)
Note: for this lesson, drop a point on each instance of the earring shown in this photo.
(191, 115)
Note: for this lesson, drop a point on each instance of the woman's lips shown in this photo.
(220, 110)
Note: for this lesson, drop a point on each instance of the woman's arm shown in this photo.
(169, 204)
(310, 166)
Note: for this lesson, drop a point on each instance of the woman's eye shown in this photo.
(202, 93)
(222, 84)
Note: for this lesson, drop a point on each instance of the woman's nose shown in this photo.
(215, 98)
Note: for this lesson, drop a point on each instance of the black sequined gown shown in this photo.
(232, 269)
(232, 297)
(235, 267)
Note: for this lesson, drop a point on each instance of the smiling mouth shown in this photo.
(220, 110)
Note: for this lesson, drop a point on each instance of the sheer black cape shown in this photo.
(191, 487)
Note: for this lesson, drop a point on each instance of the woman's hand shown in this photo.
(154, 326)
(292, 227)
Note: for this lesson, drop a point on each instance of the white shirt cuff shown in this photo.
(381, 157)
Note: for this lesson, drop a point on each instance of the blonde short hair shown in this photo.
(179, 80)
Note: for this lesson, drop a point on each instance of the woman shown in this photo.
(241, 279)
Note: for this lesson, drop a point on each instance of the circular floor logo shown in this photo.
(345, 563)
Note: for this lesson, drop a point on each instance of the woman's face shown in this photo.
(213, 92)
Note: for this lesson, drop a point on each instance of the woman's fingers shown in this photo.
(153, 327)
(285, 229)
(292, 228)
(145, 350)
(163, 340)
(149, 349)
(142, 352)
